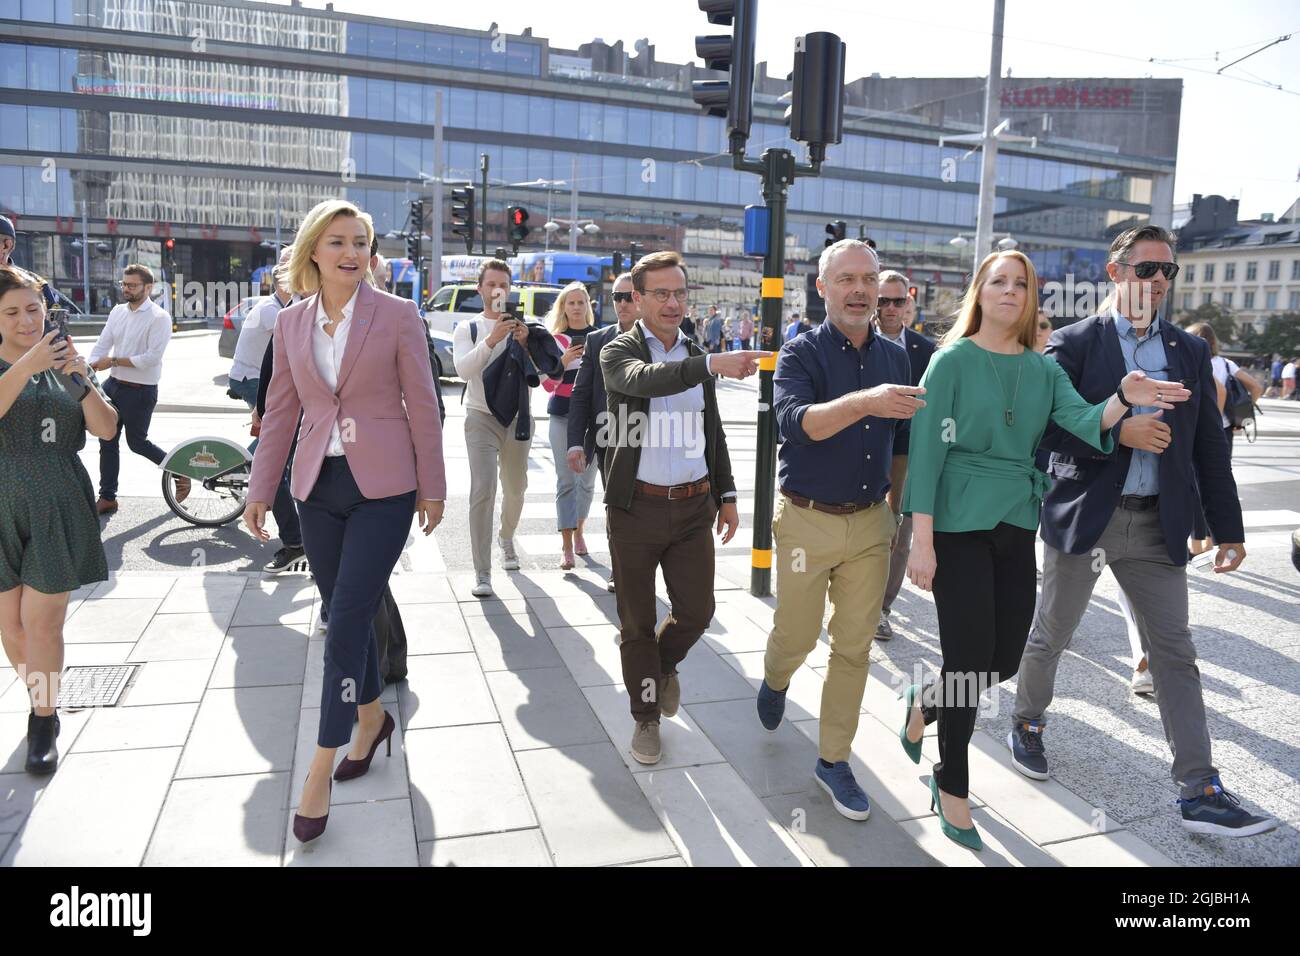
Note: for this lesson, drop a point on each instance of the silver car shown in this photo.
(232, 323)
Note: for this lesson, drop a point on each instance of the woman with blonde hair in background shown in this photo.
(569, 321)
(975, 498)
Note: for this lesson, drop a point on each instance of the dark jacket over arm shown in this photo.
(588, 399)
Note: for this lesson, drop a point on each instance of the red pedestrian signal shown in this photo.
(170, 244)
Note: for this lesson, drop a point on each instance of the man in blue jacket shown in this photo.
(1132, 510)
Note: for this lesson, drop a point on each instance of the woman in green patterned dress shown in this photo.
(49, 535)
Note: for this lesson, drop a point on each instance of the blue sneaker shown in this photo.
(845, 793)
(771, 706)
(1218, 812)
(1027, 754)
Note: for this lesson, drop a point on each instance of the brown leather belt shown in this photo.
(829, 509)
(129, 384)
(674, 492)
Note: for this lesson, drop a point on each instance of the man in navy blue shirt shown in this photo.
(843, 398)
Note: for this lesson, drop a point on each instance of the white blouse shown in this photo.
(328, 352)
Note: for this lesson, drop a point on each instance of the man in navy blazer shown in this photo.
(892, 309)
(588, 399)
(1132, 511)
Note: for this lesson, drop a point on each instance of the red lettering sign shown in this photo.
(1069, 97)
(63, 226)
(112, 227)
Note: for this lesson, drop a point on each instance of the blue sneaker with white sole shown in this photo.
(771, 706)
(849, 799)
(1218, 812)
(1027, 752)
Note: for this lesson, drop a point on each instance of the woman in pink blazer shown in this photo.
(354, 362)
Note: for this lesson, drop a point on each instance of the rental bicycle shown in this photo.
(218, 471)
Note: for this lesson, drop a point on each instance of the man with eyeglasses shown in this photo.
(1132, 511)
(1043, 332)
(668, 484)
(892, 307)
(131, 348)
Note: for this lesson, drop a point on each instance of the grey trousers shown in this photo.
(898, 563)
(1133, 547)
(493, 448)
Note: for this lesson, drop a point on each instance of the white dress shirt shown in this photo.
(672, 450)
(899, 339)
(140, 335)
(255, 336)
(328, 352)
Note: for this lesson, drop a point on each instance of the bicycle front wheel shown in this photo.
(211, 502)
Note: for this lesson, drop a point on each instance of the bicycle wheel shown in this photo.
(1248, 429)
(211, 502)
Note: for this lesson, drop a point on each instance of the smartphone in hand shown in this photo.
(57, 318)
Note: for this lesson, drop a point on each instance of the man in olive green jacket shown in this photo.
(667, 481)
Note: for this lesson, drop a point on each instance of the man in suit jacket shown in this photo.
(891, 323)
(667, 478)
(1133, 510)
(588, 400)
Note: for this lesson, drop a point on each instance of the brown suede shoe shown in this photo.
(105, 507)
(645, 742)
(670, 694)
(182, 488)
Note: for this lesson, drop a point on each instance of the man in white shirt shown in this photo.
(1289, 378)
(131, 349)
(255, 334)
(492, 447)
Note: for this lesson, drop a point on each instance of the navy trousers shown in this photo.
(353, 543)
(135, 405)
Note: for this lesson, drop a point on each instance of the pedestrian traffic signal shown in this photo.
(835, 231)
(462, 215)
(517, 225)
(911, 294)
(635, 248)
(816, 111)
(731, 98)
(414, 231)
(170, 244)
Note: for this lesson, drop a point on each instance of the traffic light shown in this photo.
(170, 244)
(414, 230)
(816, 111)
(835, 231)
(731, 98)
(517, 225)
(911, 294)
(462, 215)
(635, 247)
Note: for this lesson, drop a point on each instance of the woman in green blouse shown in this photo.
(49, 534)
(974, 496)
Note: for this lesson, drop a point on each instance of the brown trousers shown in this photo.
(676, 536)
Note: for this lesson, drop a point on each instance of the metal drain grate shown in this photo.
(98, 686)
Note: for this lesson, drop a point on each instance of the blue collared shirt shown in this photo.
(1144, 469)
(851, 466)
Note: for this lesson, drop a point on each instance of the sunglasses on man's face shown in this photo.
(622, 296)
(898, 303)
(1146, 270)
(1044, 325)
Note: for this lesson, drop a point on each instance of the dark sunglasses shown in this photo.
(622, 296)
(896, 303)
(1044, 325)
(1145, 270)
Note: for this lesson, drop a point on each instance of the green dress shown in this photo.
(49, 532)
(966, 465)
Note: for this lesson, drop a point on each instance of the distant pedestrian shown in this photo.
(1289, 378)
(49, 536)
(746, 331)
(131, 347)
(1275, 378)
(255, 334)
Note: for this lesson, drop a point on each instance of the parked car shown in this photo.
(457, 301)
(232, 323)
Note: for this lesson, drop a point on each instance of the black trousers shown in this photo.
(353, 543)
(135, 405)
(984, 592)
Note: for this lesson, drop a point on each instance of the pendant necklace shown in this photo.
(1009, 415)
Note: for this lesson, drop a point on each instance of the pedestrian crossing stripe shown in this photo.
(761, 557)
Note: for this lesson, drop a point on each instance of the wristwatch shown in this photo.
(1119, 393)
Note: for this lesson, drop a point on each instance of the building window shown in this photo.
(1191, 273)
(1227, 300)
(1251, 271)
(1293, 302)
(1270, 301)
(1295, 269)
(1209, 272)
(1229, 271)
(1205, 298)
(1274, 270)
(1250, 300)
(1187, 300)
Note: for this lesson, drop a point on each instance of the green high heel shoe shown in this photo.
(913, 750)
(969, 838)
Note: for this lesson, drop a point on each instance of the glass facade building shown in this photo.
(214, 123)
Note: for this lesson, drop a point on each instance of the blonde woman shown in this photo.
(354, 362)
(975, 496)
(569, 321)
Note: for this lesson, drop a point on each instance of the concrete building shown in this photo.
(218, 123)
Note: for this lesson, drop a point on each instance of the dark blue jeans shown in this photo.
(353, 543)
(135, 405)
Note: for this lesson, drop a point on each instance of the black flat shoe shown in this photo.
(42, 749)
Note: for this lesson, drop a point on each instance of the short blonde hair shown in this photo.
(556, 320)
(303, 273)
(969, 315)
(892, 275)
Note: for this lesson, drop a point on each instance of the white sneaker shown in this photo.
(483, 587)
(509, 560)
(1142, 682)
